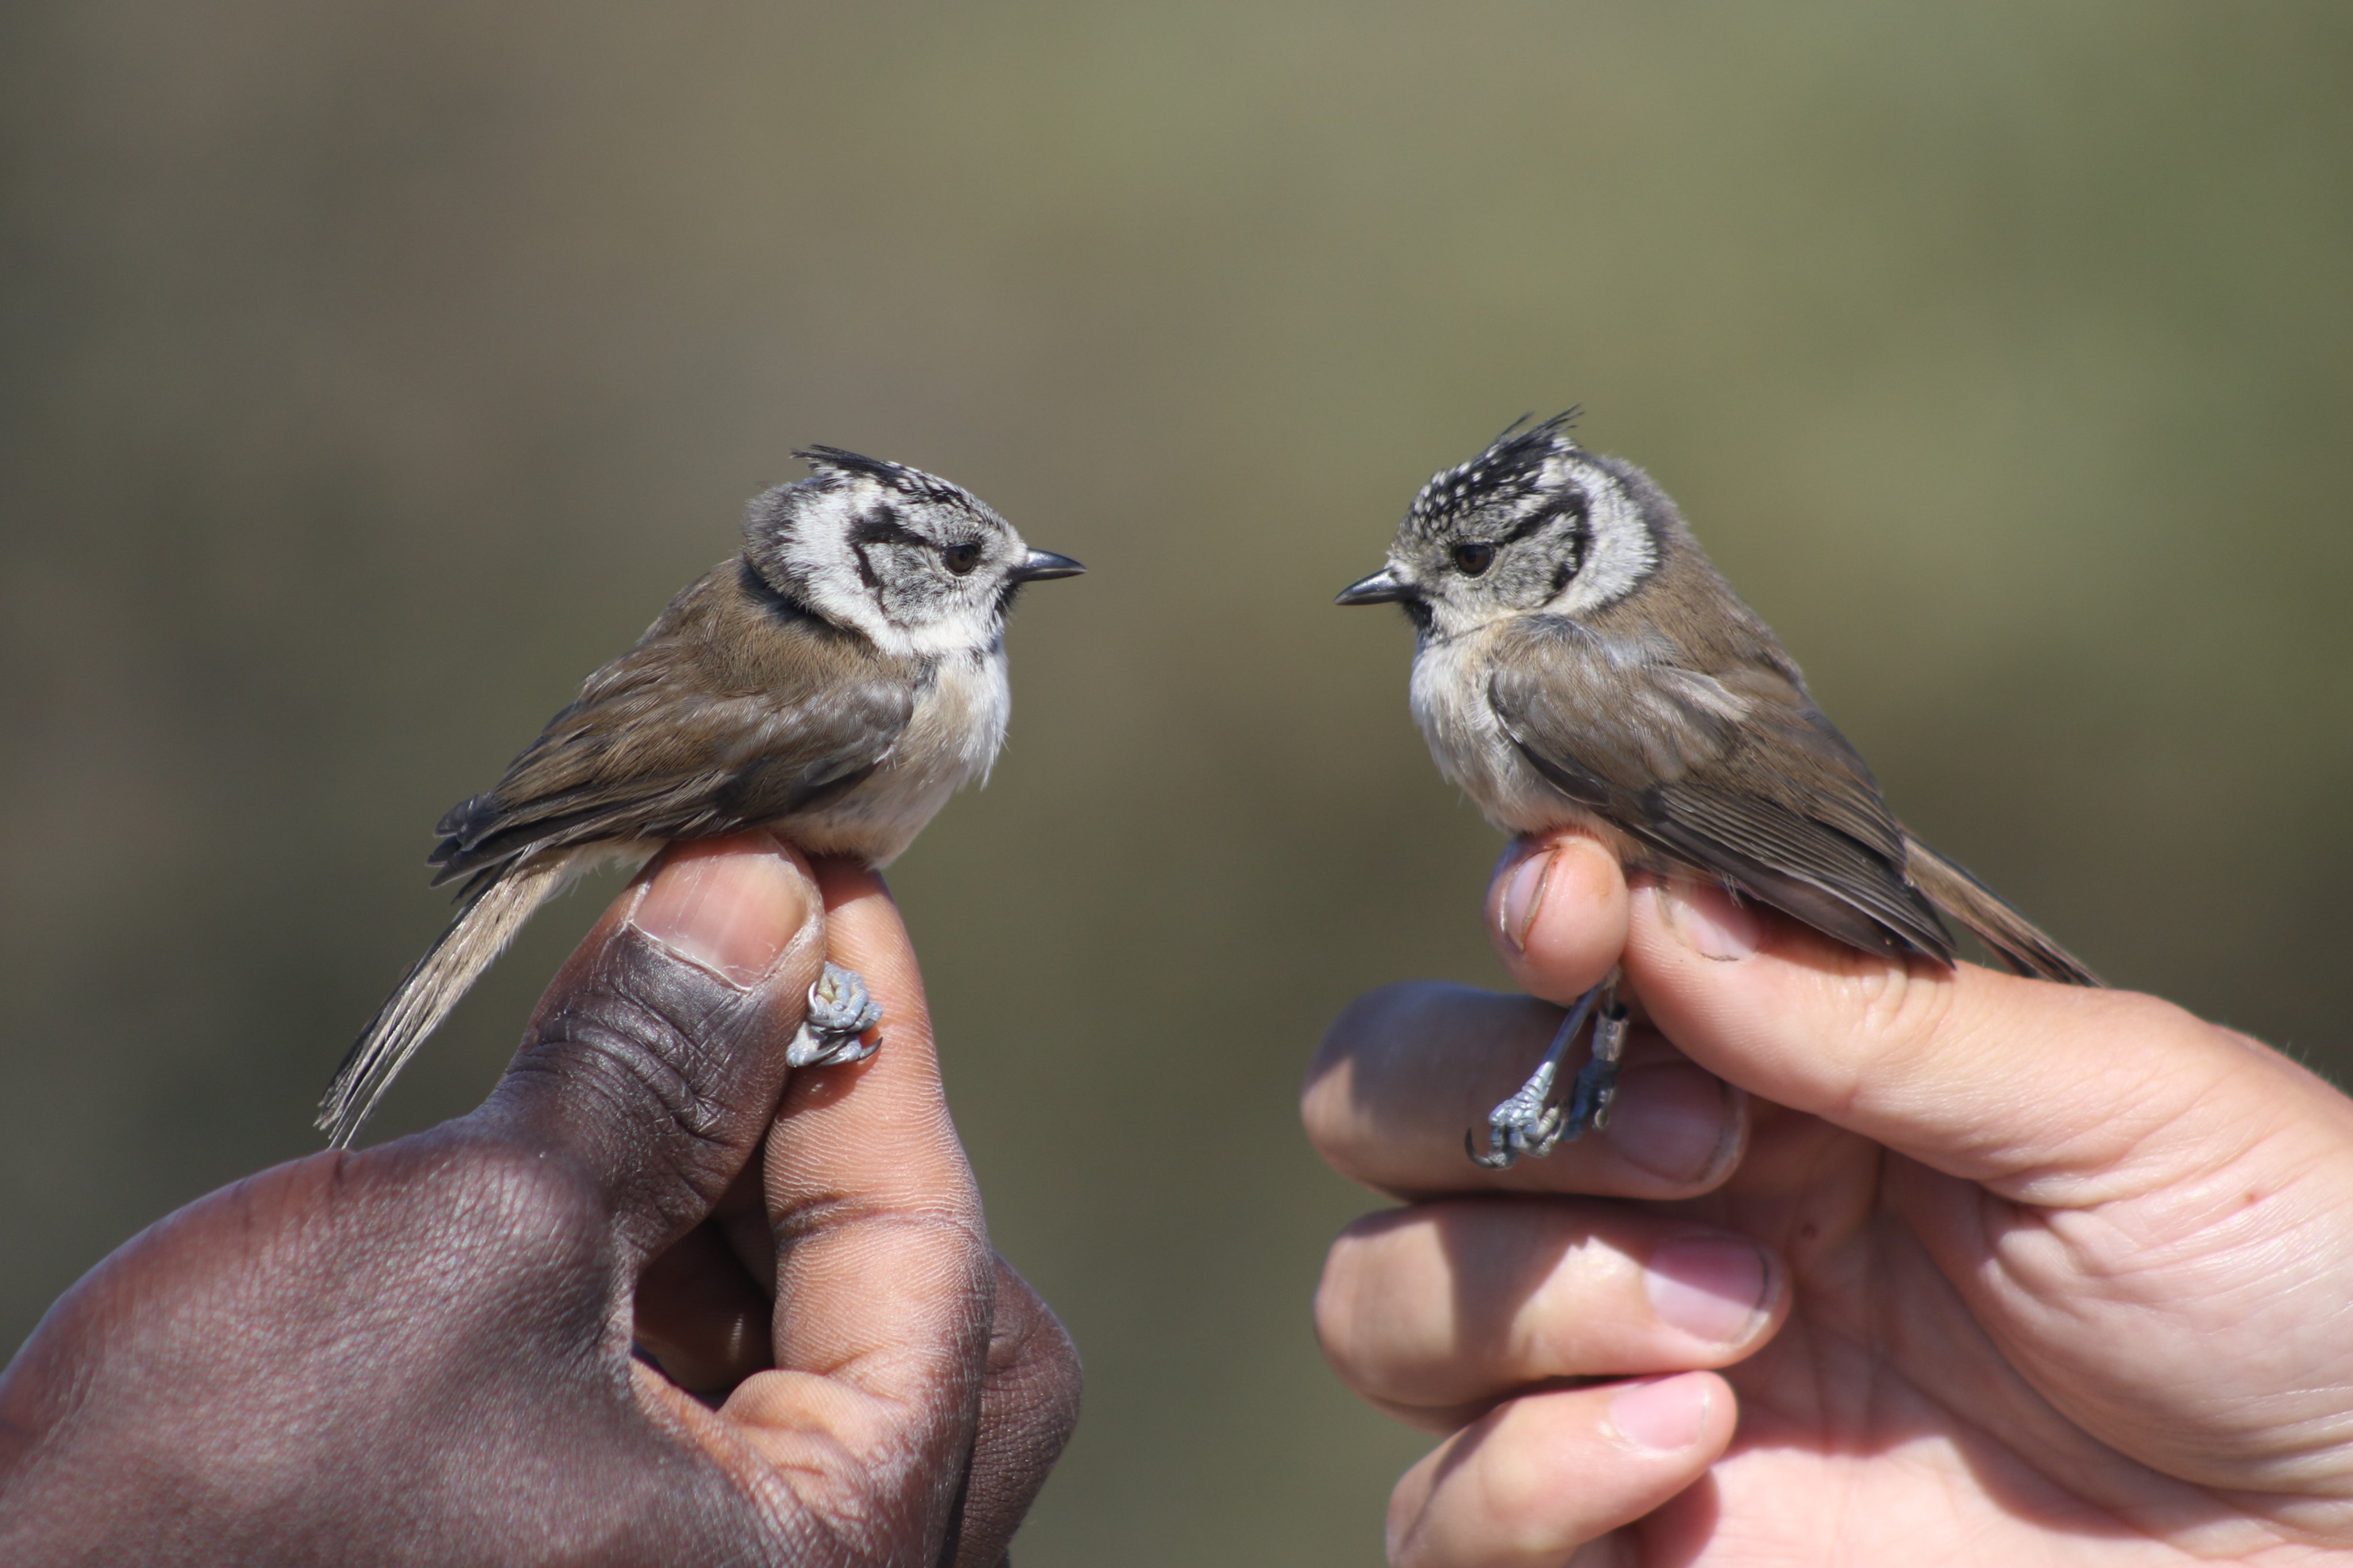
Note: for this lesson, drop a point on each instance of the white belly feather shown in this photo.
(951, 740)
(1448, 693)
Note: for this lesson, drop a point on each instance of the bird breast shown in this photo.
(951, 739)
(1448, 693)
(1449, 697)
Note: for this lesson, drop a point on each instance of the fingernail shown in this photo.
(1523, 895)
(729, 907)
(1666, 1416)
(1674, 1121)
(1710, 923)
(1712, 1287)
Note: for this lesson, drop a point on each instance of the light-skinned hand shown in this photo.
(1876, 1262)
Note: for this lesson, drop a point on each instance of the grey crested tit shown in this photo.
(1578, 663)
(835, 681)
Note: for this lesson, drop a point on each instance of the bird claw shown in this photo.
(841, 1013)
(1531, 1122)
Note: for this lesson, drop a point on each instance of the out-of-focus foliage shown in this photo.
(369, 372)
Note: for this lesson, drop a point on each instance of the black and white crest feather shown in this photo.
(913, 483)
(1511, 470)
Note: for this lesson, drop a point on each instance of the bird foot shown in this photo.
(1531, 1123)
(839, 1014)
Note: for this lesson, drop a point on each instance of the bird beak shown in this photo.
(1380, 588)
(1041, 564)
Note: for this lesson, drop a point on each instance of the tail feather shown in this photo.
(488, 920)
(2007, 934)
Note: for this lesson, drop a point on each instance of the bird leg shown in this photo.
(839, 1014)
(1532, 1121)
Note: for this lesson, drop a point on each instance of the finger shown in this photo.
(1439, 1306)
(884, 1277)
(1557, 913)
(1407, 1070)
(656, 1059)
(1028, 1408)
(1540, 1476)
(2049, 1094)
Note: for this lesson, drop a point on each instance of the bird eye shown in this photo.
(961, 558)
(1472, 559)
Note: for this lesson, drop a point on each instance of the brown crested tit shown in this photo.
(835, 682)
(1578, 663)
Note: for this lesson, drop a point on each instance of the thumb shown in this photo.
(656, 1060)
(2047, 1094)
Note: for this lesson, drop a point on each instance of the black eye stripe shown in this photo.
(1572, 503)
(880, 525)
(1473, 556)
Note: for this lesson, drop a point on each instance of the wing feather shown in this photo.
(1733, 772)
(735, 709)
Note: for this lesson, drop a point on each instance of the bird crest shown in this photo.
(835, 460)
(1511, 470)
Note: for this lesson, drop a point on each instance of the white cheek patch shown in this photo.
(831, 576)
(1619, 553)
(821, 555)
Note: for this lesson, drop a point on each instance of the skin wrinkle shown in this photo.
(903, 1457)
(1526, 1309)
(832, 1480)
(1885, 1378)
(811, 1219)
(632, 1026)
(2274, 1416)
(2146, 1161)
(1884, 1405)
(1882, 1410)
(753, 1476)
(2142, 1132)
(1893, 994)
(699, 1030)
(592, 1045)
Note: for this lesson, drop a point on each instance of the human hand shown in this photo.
(1977, 1270)
(421, 1353)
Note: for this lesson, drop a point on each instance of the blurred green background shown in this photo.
(371, 372)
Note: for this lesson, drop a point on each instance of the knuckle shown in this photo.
(954, 1220)
(1893, 1000)
(1885, 1009)
(2158, 1019)
(653, 1042)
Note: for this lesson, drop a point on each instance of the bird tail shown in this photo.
(2007, 934)
(487, 920)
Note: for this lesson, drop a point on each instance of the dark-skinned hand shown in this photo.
(1876, 1262)
(422, 1353)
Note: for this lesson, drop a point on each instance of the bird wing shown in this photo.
(1732, 770)
(736, 708)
